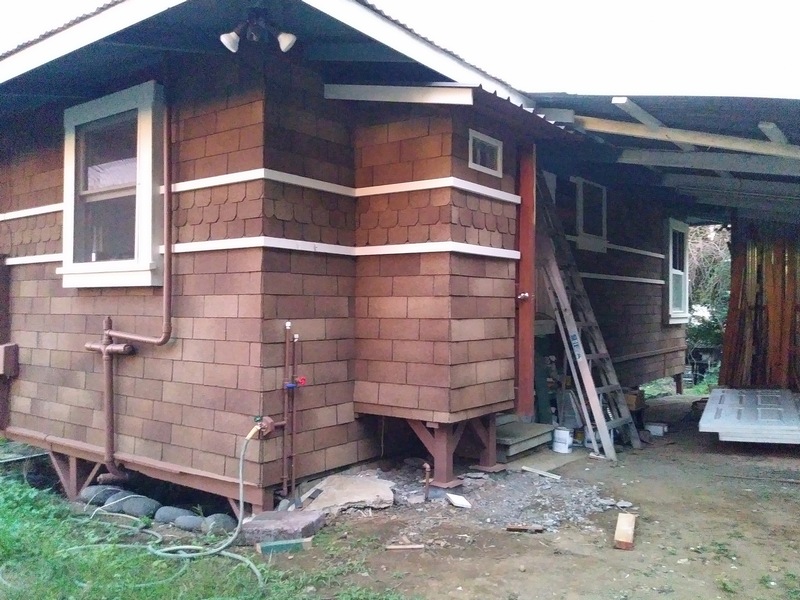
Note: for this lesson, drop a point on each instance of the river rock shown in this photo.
(189, 523)
(219, 523)
(168, 514)
(140, 506)
(98, 494)
(115, 502)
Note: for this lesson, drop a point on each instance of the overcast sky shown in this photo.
(609, 47)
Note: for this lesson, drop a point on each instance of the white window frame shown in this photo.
(145, 269)
(677, 316)
(590, 241)
(477, 135)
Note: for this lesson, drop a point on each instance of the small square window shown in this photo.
(485, 154)
(112, 199)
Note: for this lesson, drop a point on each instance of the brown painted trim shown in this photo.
(649, 353)
(428, 415)
(195, 478)
(526, 284)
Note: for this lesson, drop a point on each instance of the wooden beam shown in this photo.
(698, 138)
(712, 161)
(765, 205)
(644, 117)
(623, 536)
(400, 93)
(526, 285)
(556, 115)
(773, 132)
(737, 187)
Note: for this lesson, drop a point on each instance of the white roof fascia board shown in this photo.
(396, 93)
(385, 31)
(698, 138)
(83, 33)
(712, 161)
(737, 187)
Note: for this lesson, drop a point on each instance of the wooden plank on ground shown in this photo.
(623, 536)
(541, 473)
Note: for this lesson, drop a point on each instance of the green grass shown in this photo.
(38, 560)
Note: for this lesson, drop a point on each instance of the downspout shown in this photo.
(108, 348)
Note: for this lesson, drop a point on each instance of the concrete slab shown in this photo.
(547, 460)
(274, 526)
(340, 492)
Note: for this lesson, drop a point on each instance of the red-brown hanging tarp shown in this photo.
(762, 333)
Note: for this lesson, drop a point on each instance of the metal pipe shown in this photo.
(107, 347)
(284, 432)
(295, 339)
(166, 323)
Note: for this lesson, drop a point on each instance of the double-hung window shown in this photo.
(678, 275)
(112, 198)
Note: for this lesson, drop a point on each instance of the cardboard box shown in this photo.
(657, 429)
(634, 399)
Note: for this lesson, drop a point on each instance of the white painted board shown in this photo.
(763, 416)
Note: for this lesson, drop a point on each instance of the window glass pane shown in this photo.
(592, 209)
(566, 191)
(105, 229)
(108, 153)
(678, 250)
(484, 154)
(678, 301)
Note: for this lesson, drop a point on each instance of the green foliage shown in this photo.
(47, 554)
(710, 277)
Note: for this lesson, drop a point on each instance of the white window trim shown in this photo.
(677, 317)
(145, 269)
(477, 135)
(588, 241)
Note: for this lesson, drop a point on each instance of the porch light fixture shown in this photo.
(254, 29)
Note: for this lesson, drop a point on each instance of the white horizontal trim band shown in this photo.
(31, 212)
(610, 246)
(303, 246)
(33, 260)
(634, 250)
(622, 278)
(442, 182)
(306, 182)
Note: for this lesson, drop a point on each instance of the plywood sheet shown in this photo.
(764, 416)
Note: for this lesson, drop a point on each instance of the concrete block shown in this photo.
(283, 525)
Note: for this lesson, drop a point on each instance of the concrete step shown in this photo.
(514, 438)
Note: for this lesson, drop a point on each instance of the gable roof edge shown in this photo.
(95, 26)
(385, 30)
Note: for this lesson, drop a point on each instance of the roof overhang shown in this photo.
(83, 33)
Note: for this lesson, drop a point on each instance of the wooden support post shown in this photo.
(441, 443)
(74, 473)
(485, 429)
(678, 377)
(526, 284)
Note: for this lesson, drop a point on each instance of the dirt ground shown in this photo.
(714, 522)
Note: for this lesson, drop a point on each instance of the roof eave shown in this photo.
(390, 33)
(82, 33)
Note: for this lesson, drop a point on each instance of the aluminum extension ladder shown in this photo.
(590, 363)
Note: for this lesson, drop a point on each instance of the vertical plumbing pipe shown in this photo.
(284, 432)
(107, 347)
(295, 339)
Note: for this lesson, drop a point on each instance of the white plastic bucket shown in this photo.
(562, 440)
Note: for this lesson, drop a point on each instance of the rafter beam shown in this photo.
(645, 118)
(782, 207)
(699, 184)
(773, 132)
(698, 138)
(712, 161)
(419, 94)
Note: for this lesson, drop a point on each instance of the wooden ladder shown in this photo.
(592, 369)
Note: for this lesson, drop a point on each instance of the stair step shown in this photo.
(516, 437)
(604, 389)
